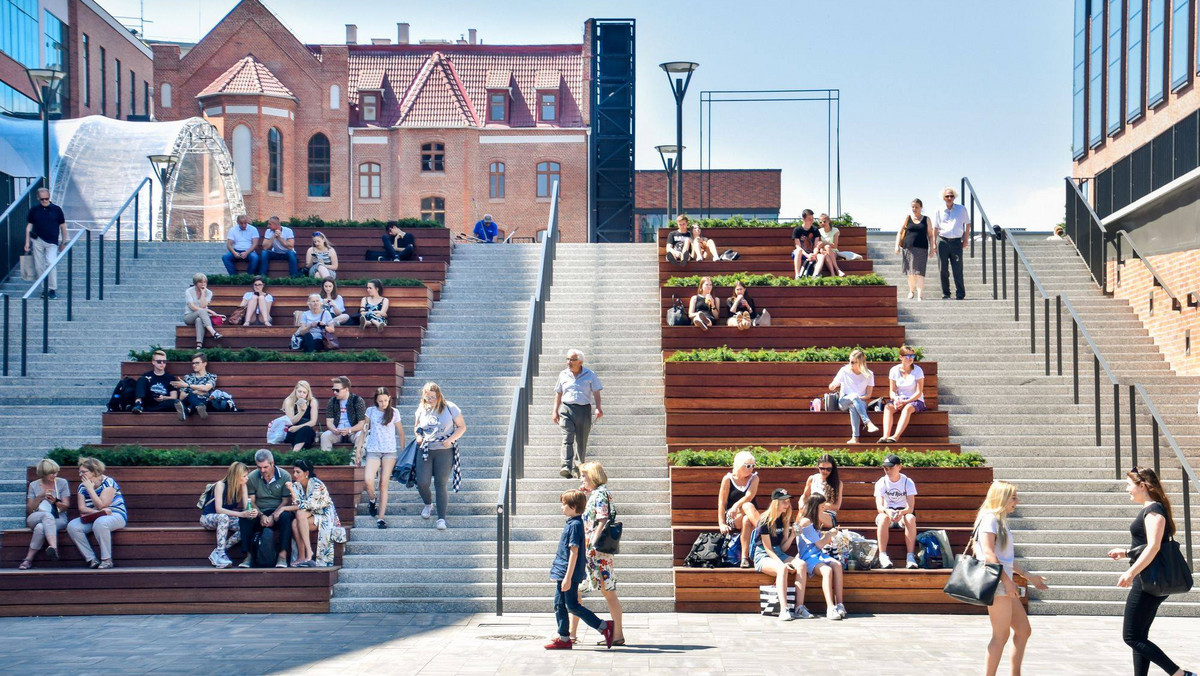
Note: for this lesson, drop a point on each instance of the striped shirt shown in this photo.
(118, 501)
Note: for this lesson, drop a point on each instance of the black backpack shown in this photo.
(123, 395)
(707, 552)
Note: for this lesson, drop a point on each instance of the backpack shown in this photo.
(733, 551)
(220, 400)
(206, 496)
(264, 548)
(730, 255)
(123, 395)
(707, 551)
(929, 551)
(676, 315)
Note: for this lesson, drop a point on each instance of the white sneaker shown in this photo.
(884, 560)
(785, 615)
(801, 613)
(841, 609)
(427, 511)
(872, 428)
(441, 524)
(910, 295)
(833, 614)
(911, 562)
(215, 558)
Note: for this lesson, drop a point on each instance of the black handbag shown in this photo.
(609, 541)
(676, 316)
(1169, 572)
(973, 581)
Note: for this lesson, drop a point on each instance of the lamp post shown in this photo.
(45, 83)
(676, 72)
(163, 165)
(668, 155)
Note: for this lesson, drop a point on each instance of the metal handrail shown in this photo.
(1091, 240)
(4, 365)
(517, 438)
(8, 236)
(985, 230)
(1158, 280)
(1187, 472)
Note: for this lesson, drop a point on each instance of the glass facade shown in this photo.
(1096, 74)
(19, 31)
(1116, 24)
(1181, 15)
(1133, 62)
(1156, 54)
(14, 101)
(1079, 81)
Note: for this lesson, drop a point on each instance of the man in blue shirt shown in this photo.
(487, 230)
(45, 238)
(567, 572)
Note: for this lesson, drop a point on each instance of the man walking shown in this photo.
(278, 242)
(574, 393)
(953, 228)
(242, 245)
(45, 238)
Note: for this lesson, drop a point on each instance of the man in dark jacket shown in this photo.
(345, 417)
(45, 238)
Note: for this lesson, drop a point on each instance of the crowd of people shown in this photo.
(243, 242)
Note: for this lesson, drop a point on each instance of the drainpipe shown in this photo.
(350, 173)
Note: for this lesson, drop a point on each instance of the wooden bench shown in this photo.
(688, 444)
(763, 251)
(431, 273)
(262, 386)
(811, 333)
(401, 343)
(407, 305)
(245, 429)
(781, 267)
(797, 305)
(798, 427)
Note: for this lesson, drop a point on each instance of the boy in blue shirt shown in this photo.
(568, 571)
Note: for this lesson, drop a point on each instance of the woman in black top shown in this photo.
(1149, 530)
(704, 307)
(913, 244)
(740, 301)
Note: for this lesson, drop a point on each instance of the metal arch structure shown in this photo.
(833, 150)
(201, 137)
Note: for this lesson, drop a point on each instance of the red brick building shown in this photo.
(717, 193)
(448, 131)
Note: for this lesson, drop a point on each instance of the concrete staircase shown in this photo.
(1002, 405)
(473, 350)
(60, 402)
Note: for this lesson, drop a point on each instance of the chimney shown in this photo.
(351, 34)
(402, 33)
(471, 35)
(381, 41)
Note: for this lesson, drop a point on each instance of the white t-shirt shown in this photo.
(382, 438)
(895, 495)
(1005, 554)
(854, 384)
(277, 245)
(321, 317)
(906, 385)
(250, 294)
(242, 239)
(432, 424)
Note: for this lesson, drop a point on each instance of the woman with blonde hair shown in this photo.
(772, 538)
(438, 427)
(735, 502)
(46, 503)
(854, 383)
(593, 481)
(299, 407)
(101, 502)
(227, 503)
(196, 310)
(321, 259)
(704, 308)
(994, 544)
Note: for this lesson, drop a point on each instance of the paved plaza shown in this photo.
(666, 643)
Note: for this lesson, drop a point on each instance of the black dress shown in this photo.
(306, 435)
(702, 307)
(754, 311)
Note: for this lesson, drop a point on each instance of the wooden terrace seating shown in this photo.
(407, 305)
(846, 332)
(402, 343)
(800, 306)
(763, 250)
(797, 427)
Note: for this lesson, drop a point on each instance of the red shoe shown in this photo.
(559, 643)
(608, 633)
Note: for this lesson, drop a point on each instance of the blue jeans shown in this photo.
(568, 602)
(267, 256)
(251, 262)
(858, 413)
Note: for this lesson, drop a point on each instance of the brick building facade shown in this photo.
(449, 131)
(716, 193)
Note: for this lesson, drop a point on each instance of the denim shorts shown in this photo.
(760, 556)
(918, 405)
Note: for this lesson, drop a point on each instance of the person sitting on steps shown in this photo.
(772, 538)
(896, 504)
(195, 389)
(155, 389)
(703, 248)
(854, 382)
(321, 259)
(196, 310)
(397, 244)
(257, 303)
(906, 382)
(735, 503)
(704, 308)
(679, 242)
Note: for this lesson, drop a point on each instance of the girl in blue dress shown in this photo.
(810, 548)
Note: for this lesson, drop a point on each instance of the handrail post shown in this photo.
(1016, 289)
(1132, 427)
(1046, 331)
(45, 319)
(1187, 520)
(1004, 267)
(1058, 330)
(1075, 356)
(1117, 428)
(1032, 318)
(100, 264)
(70, 282)
(1154, 435)
(87, 282)
(5, 333)
(1096, 381)
(24, 334)
(137, 197)
(499, 561)
(995, 279)
(117, 262)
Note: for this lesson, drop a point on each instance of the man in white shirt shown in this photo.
(952, 226)
(578, 387)
(242, 245)
(278, 243)
(896, 502)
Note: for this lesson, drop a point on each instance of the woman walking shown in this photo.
(994, 544)
(384, 434)
(912, 243)
(593, 481)
(1153, 525)
(438, 427)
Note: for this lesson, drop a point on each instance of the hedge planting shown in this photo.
(806, 456)
(142, 456)
(315, 222)
(808, 354)
(254, 354)
(843, 221)
(776, 280)
(246, 280)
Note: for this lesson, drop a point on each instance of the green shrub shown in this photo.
(806, 456)
(142, 456)
(843, 221)
(808, 354)
(245, 280)
(254, 354)
(781, 281)
(316, 222)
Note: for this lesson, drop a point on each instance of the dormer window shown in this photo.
(370, 107)
(547, 106)
(497, 106)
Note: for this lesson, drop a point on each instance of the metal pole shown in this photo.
(679, 87)
(163, 174)
(1003, 267)
(1058, 329)
(1046, 335)
(24, 333)
(1075, 357)
(45, 321)
(136, 199)
(1032, 318)
(499, 562)
(1117, 428)
(1154, 434)
(1096, 382)
(995, 279)
(117, 262)
(1187, 519)
(70, 281)
(1016, 289)
(87, 281)
(5, 334)
(46, 134)
(1132, 427)
(100, 277)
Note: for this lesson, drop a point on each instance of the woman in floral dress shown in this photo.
(314, 511)
(593, 481)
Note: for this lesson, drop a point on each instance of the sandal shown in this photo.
(199, 346)
(744, 564)
(25, 565)
(217, 336)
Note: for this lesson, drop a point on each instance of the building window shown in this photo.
(1096, 74)
(433, 157)
(103, 82)
(433, 209)
(1181, 16)
(56, 56)
(87, 71)
(19, 32)
(1116, 24)
(335, 97)
(274, 161)
(497, 107)
(496, 181)
(1156, 54)
(243, 156)
(370, 107)
(1079, 81)
(132, 93)
(547, 106)
(15, 101)
(547, 175)
(1133, 62)
(145, 98)
(117, 89)
(369, 180)
(318, 166)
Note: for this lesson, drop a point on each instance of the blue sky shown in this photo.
(931, 90)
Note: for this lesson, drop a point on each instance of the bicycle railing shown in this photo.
(518, 420)
(68, 253)
(1158, 280)
(1190, 481)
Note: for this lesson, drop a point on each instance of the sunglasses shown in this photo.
(824, 469)
(908, 356)
(336, 389)
(161, 361)
(197, 363)
(43, 199)
(572, 358)
(748, 465)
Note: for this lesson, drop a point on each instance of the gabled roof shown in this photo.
(498, 78)
(247, 76)
(436, 97)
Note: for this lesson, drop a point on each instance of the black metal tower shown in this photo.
(612, 98)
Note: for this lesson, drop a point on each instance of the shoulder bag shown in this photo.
(238, 315)
(973, 581)
(1169, 572)
(676, 316)
(330, 340)
(609, 541)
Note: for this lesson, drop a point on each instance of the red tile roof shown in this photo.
(499, 78)
(436, 98)
(247, 76)
(724, 189)
(547, 79)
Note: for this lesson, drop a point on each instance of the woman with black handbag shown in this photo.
(599, 521)
(1150, 570)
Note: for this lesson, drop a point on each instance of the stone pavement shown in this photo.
(663, 643)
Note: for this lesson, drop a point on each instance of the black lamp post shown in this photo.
(668, 155)
(45, 83)
(163, 165)
(676, 72)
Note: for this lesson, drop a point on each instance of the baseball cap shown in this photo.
(780, 494)
(487, 218)
(891, 461)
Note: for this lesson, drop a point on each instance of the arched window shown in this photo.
(433, 157)
(547, 174)
(165, 92)
(496, 180)
(318, 166)
(368, 180)
(242, 156)
(433, 209)
(335, 97)
(274, 161)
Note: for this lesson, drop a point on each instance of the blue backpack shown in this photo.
(733, 551)
(930, 554)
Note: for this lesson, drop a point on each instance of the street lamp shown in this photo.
(45, 83)
(163, 165)
(676, 70)
(668, 155)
